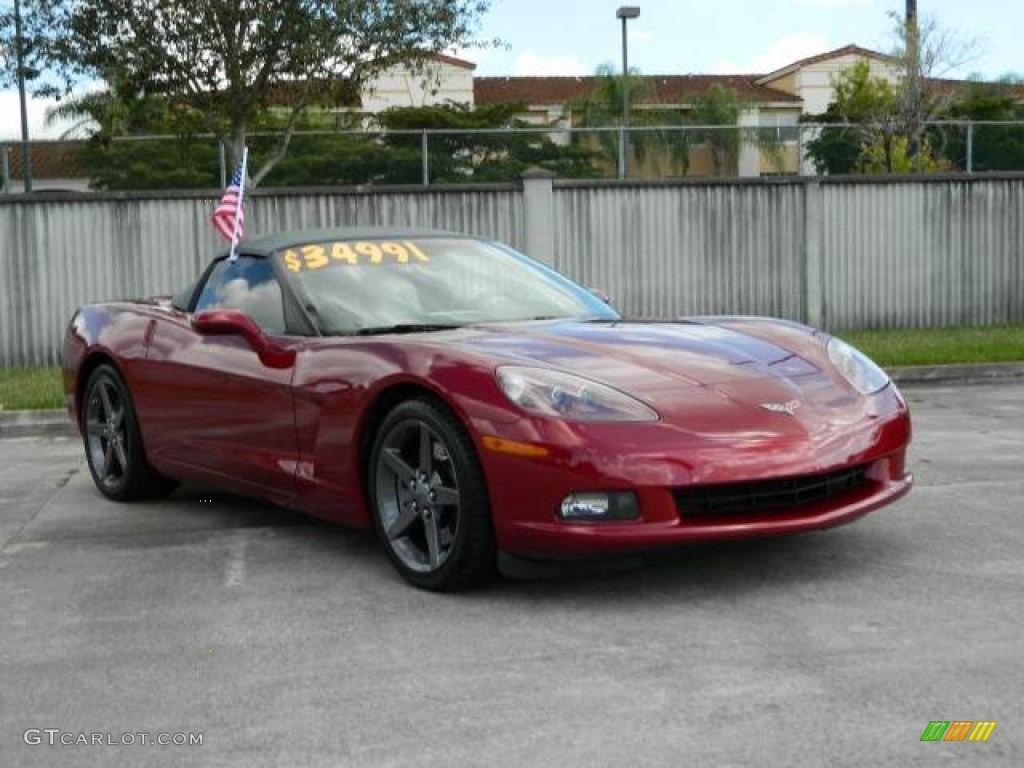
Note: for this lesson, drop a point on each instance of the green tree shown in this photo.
(344, 159)
(37, 34)
(232, 60)
(719, 106)
(117, 110)
(994, 147)
(175, 163)
(866, 106)
(114, 155)
(924, 54)
(602, 108)
(887, 123)
(835, 149)
(474, 150)
(897, 155)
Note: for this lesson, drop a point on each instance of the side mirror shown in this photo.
(231, 322)
(601, 295)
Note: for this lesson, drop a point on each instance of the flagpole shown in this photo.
(238, 208)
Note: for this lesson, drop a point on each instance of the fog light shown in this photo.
(617, 505)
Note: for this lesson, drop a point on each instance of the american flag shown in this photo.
(230, 205)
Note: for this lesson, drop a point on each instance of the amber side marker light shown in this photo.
(514, 447)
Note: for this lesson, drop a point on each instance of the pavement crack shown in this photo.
(13, 538)
(61, 482)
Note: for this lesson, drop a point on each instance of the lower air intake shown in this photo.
(767, 496)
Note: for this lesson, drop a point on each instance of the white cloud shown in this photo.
(532, 63)
(10, 118)
(835, 3)
(781, 53)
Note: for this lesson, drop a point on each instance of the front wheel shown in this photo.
(429, 498)
(113, 442)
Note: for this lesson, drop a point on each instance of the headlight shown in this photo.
(564, 396)
(856, 367)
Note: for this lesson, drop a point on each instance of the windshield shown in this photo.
(429, 283)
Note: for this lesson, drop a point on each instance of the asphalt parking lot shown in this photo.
(289, 642)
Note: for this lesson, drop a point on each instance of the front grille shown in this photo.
(767, 496)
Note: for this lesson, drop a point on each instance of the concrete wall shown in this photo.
(841, 253)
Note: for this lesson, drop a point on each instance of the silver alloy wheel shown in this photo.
(417, 495)
(107, 434)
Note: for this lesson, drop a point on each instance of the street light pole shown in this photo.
(19, 46)
(625, 12)
(912, 35)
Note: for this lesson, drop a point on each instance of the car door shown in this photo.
(214, 411)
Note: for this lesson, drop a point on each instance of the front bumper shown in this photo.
(655, 460)
(662, 526)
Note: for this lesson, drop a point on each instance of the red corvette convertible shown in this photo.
(466, 401)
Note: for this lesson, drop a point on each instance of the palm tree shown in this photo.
(602, 108)
(719, 107)
(117, 110)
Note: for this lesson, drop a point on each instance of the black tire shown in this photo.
(113, 443)
(429, 499)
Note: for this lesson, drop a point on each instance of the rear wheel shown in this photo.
(113, 443)
(429, 498)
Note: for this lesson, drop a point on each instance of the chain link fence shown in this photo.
(494, 155)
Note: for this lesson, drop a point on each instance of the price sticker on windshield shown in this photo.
(352, 253)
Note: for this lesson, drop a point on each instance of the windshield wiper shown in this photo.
(579, 319)
(405, 328)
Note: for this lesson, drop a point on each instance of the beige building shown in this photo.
(775, 100)
(441, 80)
(810, 79)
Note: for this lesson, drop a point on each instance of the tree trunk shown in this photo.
(237, 142)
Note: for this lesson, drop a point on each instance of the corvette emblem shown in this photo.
(787, 408)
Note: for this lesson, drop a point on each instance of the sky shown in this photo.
(574, 37)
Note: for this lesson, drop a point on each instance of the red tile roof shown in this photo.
(667, 89)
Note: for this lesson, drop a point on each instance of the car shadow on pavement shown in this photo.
(812, 560)
(840, 554)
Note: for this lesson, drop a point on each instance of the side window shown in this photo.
(247, 284)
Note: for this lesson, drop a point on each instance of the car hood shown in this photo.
(672, 365)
